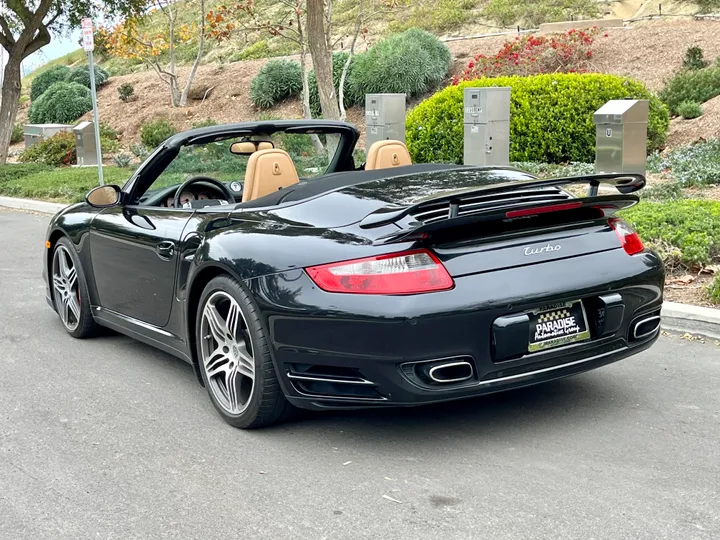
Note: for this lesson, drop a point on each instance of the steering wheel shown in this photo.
(229, 197)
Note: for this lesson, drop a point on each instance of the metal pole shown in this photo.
(93, 93)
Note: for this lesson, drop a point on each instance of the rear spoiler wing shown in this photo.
(624, 182)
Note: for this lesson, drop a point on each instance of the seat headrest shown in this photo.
(387, 154)
(267, 171)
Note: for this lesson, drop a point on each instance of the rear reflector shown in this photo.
(629, 239)
(542, 209)
(409, 272)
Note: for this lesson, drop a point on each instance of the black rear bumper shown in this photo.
(356, 351)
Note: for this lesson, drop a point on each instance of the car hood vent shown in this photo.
(431, 212)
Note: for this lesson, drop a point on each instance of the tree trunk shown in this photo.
(343, 75)
(193, 70)
(9, 104)
(322, 58)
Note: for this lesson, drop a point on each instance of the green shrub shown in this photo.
(259, 49)
(713, 291)
(81, 75)
(107, 131)
(17, 134)
(694, 59)
(278, 80)
(126, 92)
(46, 79)
(685, 232)
(205, 123)
(665, 191)
(55, 151)
(154, 133)
(532, 14)
(438, 16)
(693, 165)
(122, 160)
(691, 85)
(62, 103)
(350, 96)
(551, 117)
(412, 62)
(690, 109)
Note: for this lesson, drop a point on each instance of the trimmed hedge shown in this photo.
(413, 62)
(277, 80)
(551, 117)
(46, 79)
(62, 103)
(81, 75)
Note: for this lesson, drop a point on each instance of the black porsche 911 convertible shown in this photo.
(289, 275)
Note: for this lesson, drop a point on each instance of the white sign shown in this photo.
(608, 132)
(87, 35)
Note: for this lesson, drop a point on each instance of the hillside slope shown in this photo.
(631, 51)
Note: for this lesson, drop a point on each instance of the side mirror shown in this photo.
(103, 196)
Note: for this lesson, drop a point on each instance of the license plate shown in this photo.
(557, 325)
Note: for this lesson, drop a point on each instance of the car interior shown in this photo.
(271, 176)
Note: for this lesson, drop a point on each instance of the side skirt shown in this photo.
(142, 331)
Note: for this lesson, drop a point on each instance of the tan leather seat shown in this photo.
(267, 171)
(386, 155)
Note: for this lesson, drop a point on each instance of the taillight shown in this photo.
(409, 272)
(542, 209)
(629, 239)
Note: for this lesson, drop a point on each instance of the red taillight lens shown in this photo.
(629, 239)
(409, 272)
(542, 209)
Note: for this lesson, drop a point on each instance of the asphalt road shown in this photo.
(110, 439)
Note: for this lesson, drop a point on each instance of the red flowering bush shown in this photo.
(570, 52)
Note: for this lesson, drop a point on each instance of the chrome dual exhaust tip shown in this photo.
(452, 372)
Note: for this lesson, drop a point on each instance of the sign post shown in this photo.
(89, 46)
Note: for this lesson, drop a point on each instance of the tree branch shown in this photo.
(6, 37)
(39, 41)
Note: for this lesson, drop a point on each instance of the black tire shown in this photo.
(86, 325)
(266, 404)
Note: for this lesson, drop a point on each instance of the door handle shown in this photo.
(165, 249)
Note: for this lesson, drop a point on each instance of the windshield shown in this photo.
(311, 155)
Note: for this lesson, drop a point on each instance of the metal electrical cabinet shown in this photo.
(35, 133)
(384, 118)
(486, 126)
(621, 136)
(85, 144)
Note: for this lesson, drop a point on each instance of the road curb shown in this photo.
(32, 205)
(693, 319)
(675, 317)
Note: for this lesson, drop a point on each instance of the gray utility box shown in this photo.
(486, 126)
(384, 118)
(34, 133)
(621, 136)
(85, 144)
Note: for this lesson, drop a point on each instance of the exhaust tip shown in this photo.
(646, 327)
(452, 372)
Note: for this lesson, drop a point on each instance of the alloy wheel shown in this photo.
(65, 288)
(227, 355)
